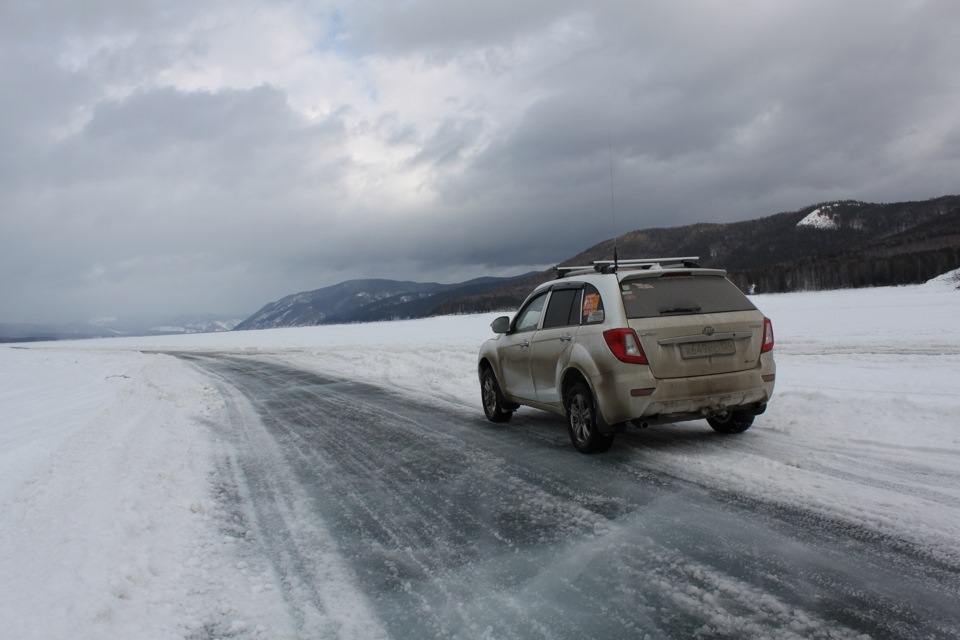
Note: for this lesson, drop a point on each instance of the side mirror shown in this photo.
(501, 325)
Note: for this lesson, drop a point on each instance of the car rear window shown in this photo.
(681, 295)
(563, 310)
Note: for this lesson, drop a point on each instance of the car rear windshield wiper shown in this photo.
(680, 310)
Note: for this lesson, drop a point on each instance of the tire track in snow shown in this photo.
(308, 567)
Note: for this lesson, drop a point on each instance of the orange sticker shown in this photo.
(590, 303)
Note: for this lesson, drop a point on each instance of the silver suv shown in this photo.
(631, 342)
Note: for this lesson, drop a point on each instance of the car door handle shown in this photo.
(566, 338)
(524, 344)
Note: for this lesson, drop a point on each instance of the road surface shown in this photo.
(448, 526)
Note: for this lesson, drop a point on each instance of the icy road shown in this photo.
(341, 483)
(454, 527)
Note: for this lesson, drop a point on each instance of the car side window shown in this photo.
(591, 309)
(562, 310)
(529, 318)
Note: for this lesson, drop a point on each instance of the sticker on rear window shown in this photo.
(595, 316)
(590, 303)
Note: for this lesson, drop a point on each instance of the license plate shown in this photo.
(707, 349)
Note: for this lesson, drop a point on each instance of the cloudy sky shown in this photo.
(167, 156)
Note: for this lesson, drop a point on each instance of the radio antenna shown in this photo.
(613, 208)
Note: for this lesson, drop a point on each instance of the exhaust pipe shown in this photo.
(714, 412)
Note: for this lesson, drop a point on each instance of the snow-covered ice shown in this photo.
(110, 528)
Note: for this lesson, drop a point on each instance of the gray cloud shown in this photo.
(157, 157)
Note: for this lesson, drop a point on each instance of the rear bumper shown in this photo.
(623, 398)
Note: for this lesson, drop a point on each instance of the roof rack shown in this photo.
(612, 266)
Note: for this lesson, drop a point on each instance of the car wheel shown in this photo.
(494, 406)
(733, 422)
(582, 421)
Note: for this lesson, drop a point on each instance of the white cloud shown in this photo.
(248, 150)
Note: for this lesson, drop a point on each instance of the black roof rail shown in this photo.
(612, 266)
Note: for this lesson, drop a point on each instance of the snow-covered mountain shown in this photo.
(838, 244)
(826, 216)
(364, 301)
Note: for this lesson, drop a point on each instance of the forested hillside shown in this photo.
(824, 246)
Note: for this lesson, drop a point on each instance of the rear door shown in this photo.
(693, 325)
(551, 345)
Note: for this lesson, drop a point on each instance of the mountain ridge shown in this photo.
(833, 244)
(865, 244)
(364, 300)
(828, 245)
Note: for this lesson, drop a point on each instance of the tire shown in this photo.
(733, 422)
(582, 421)
(494, 406)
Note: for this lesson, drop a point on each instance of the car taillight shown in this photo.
(767, 343)
(625, 345)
